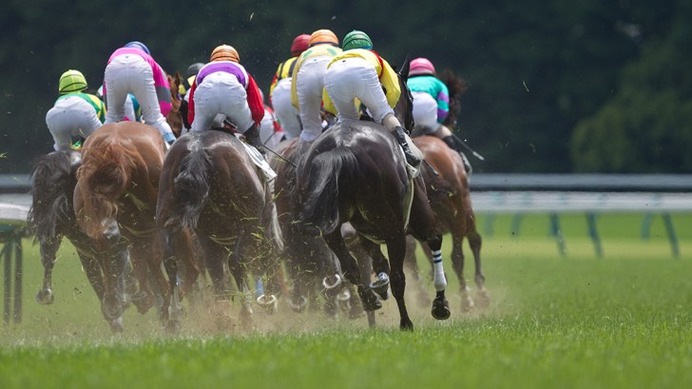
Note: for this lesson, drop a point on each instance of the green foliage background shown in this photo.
(554, 86)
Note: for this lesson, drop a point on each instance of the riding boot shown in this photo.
(400, 136)
(456, 146)
(252, 137)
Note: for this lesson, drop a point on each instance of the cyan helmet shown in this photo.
(72, 81)
(357, 40)
(139, 45)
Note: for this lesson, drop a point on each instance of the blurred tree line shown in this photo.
(557, 86)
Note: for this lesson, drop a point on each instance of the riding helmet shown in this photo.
(323, 36)
(300, 44)
(421, 66)
(72, 81)
(225, 53)
(357, 40)
(139, 45)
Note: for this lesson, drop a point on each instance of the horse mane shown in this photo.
(457, 86)
(53, 180)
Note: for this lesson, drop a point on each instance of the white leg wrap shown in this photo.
(439, 279)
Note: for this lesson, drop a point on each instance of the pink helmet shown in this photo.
(420, 66)
(300, 44)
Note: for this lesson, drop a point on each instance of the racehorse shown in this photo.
(355, 172)
(51, 217)
(210, 185)
(115, 204)
(174, 117)
(447, 187)
(310, 263)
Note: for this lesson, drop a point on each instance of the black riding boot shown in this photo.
(456, 146)
(252, 137)
(400, 137)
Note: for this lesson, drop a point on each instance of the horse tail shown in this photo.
(191, 187)
(326, 180)
(53, 180)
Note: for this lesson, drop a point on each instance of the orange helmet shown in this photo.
(225, 53)
(300, 44)
(323, 36)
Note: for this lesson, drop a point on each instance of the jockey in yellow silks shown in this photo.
(308, 81)
(361, 74)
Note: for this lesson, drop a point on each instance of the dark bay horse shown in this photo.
(52, 217)
(115, 205)
(209, 185)
(355, 172)
(447, 187)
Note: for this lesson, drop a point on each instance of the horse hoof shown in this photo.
(440, 309)
(381, 286)
(298, 307)
(406, 325)
(483, 299)
(370, 301)
(270, 303)
(331, 285)
(45, 297)
(117, 325)
(143, 301)
(173, 327)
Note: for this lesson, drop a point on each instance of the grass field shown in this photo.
(573, 321)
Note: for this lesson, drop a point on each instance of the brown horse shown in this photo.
(209, 185)
(447, 187)
(355, 172)
(51, 217)
(115, 204)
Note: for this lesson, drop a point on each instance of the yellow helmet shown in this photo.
(225, 53)
(72, 81)
(323, 36)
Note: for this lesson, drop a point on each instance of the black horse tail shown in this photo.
(191, 187)
(328, 176)
(53, 181)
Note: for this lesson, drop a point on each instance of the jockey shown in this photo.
(133, 112)
(360, 73)
(308, 81)
(431, 104)
(131, 69)
(224, 88)
(190, 76)
(280, 89)
(75, 113)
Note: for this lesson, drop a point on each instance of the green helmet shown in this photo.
(356, 40)
(72, 81)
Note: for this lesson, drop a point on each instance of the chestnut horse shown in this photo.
(355, 172)
(447, 187)
(210, 185)
(51, 217)
(115, 204)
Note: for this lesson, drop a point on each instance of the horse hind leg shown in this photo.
(49, 248)
(482, 296)
(458, 260)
